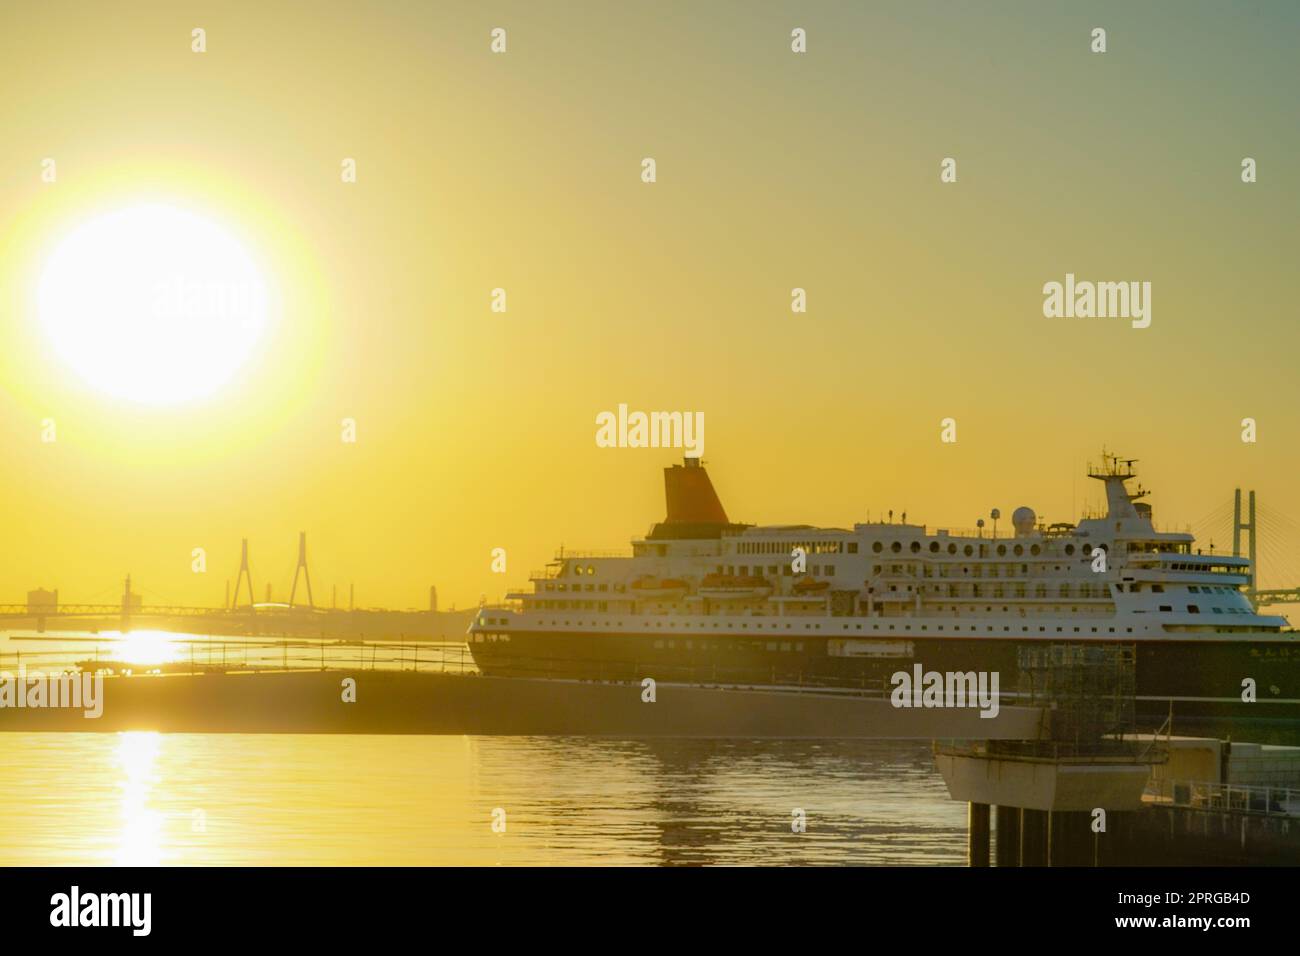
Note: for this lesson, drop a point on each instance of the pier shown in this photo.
(288, 686)
(1091, 792)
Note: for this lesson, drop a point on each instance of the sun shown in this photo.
(152, 303)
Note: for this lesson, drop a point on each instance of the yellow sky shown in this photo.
(476, 171)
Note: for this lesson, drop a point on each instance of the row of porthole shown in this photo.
(968, 550)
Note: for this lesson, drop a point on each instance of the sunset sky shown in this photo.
(522, 170)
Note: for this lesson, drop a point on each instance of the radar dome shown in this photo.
(1023, 520)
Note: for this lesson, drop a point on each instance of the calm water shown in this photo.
(146, 798)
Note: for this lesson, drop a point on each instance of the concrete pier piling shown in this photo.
(977, 844)
(1007, 840)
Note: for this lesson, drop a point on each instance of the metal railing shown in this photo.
(193, 657)
(1235, 798)
(225, 656)
(581, 553)
(1106, 752)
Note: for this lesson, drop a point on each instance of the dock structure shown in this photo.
(256, 686)
(1053, 794)
(1095, 793)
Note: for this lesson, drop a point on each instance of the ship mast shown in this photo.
(1114, 471)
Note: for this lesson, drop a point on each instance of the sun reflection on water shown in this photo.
(141, 837)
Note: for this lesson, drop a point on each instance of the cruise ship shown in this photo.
(702, 599)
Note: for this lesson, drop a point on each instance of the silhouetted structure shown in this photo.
(302, 566)
(244, 575)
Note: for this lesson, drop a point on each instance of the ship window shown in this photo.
(952, 549)
(896, 547)
(1194, 589)
(1166, 607)
(1193, 609)
(853, 547)
(875, 547)
(1158, 588)
(1217, 610)
(1069, 549)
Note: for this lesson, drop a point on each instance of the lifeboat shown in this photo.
(810, 586)
(652, 587)
(734, 587)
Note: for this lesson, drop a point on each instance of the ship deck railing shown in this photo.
(585, 553)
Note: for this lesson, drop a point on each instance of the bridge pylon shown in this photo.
(124, 626)
(302, 566)
(244, 575)
(1238, 526)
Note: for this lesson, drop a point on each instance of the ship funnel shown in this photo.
(690, 495)
(694, 510)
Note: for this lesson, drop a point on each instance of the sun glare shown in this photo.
(152, 303)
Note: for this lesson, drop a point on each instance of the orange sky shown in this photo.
(522, 171)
